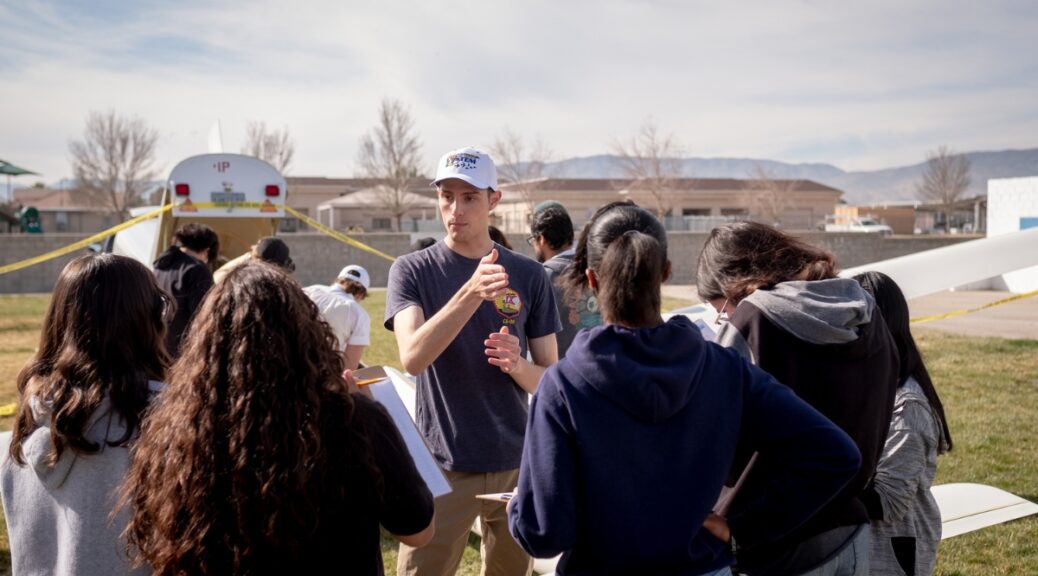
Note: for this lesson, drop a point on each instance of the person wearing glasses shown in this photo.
(824, 337)
(631, 435)
(551, 237)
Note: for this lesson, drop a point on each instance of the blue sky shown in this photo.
(862, 85)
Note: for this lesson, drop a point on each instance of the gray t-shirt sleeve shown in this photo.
(402, 290)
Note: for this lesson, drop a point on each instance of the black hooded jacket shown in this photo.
(186, 279)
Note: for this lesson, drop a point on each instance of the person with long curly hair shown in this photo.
(257, 459)
(81, 400)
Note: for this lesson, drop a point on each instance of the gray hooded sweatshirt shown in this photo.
(58, 517)
(826, 340)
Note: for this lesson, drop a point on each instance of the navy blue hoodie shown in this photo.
(630, 438)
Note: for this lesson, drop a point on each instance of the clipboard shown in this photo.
(369, 375)
(386, 390)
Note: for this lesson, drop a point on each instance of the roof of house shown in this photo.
(50, 199)
(370, 197)
(420, 186)
(612, 184)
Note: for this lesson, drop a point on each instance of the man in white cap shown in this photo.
(465, 312)
(340, 307)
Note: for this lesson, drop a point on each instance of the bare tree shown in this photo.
(769, 196)
(390, 153)
(652, 161)
(273, 146)
(945, 178)
(114, 163)
(520, 166)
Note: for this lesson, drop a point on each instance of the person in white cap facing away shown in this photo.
(339, 304)
(465, 312)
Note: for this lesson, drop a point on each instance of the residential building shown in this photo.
(690, 204)
(328, 201)
(65, 210)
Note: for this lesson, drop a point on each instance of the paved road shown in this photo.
(1017, 319)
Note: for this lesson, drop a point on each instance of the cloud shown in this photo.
(862, 85)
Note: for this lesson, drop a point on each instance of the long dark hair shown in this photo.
(892, 304)
(102, 338)
(235, 460)
(626, 247)
(741, 257)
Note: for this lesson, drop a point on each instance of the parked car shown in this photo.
(835, 223)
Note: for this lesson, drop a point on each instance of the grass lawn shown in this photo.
(989, 387)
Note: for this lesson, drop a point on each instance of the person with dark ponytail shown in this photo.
(906, 522)
(631, 435)
(81, 401)
(823, 337)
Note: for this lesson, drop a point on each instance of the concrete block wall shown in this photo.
(850, 248)
(39, 277)
(319, 258)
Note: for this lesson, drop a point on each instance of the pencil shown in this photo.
(369, 381)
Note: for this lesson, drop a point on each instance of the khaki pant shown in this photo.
(455, 513)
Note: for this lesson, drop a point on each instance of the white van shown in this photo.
(840, 223)
(240, 197)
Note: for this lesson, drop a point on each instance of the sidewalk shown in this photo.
(1016, 320)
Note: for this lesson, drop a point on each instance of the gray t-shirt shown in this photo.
(472, 415)
(575, 316)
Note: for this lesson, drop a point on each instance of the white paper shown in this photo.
(708, 333)
(385, 393)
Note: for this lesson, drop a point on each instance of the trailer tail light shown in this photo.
(183, 190)
(273, 190)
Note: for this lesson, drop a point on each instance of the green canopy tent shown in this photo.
(12, 170)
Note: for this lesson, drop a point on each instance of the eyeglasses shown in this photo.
(722, 313)
(530, 239)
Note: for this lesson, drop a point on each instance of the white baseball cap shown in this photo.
(469, 164)
(357, 274)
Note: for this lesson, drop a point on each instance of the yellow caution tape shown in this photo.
(337, 235)
(82, 243)
(210, 205)
(8, 409)
(955, 313)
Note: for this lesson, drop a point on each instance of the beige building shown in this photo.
(326, 200)
(690, 203)
(65, 210)
(365, 210)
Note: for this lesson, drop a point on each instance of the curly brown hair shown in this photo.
(102, 337)
(233, 463)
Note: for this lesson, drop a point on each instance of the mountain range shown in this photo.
(859, 187)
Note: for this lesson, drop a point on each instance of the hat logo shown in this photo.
(461, 161)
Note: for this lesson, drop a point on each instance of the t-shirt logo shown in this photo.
(509, 304)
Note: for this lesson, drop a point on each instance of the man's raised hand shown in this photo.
(490, 279)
